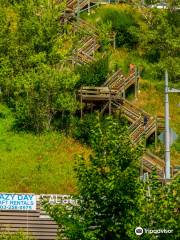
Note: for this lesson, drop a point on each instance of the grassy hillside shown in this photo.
(36, 163)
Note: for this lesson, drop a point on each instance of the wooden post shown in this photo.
(114, 41)
(141, 168)
(172, 173)
(124, 94)
(138, 80)
(89, 7)
(136, 84)
(109, 101)
(94, 47)
(135, 89)
(156, 133)
(81, 104)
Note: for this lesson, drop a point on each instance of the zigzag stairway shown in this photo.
(111, 95)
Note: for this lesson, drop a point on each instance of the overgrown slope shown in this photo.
(36, 163)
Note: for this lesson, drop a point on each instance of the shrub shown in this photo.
(123, 24)
(93, 74)
(14, 236)
(81, 128)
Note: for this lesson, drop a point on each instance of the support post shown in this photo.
(135, 90)
(156, 133)
(167, 134)
(94, 43)
(141, 169)
(81, 105)
(145, 142)
(89, 7)
(109, 101)
(136, 83)
(114, 40)
(124, 94)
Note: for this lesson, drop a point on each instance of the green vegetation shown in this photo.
(36, 163)
(14, 236)
(112, 201)
(40, 116)
(150, 39)
(149, 36)
(39, 111)
(158, 206)
(106, 204)
(155, 106)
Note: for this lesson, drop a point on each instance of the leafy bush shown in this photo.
(81, 128)
(14, 236)
(123, 24)
(93, 74)
(41, 93)
(107, 188)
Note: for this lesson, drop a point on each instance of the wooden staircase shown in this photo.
(85, 27)
(111, 89)
(72, 5)
(118, 81)
(85, 53)
(89, 44)
(136, 117)
(110, 95)
(150, 161)
(72, 8)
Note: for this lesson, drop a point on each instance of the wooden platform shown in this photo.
(93, 94)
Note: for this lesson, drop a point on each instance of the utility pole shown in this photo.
(167, 135)
(167, 132)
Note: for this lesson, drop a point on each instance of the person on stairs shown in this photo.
(145, 121)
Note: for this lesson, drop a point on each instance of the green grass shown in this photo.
(35, 163)
(151, 99)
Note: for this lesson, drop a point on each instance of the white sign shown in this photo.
(20, 202)
(58, 199)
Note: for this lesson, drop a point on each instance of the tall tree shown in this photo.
(33, 47)
(107, 184)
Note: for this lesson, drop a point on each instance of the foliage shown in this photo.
(93, 74)
(150, 37)
(39, 95)
(159, 208)
(104, 33)
(32, 32)
(160, 43)
(32, 79)
(82, 128)
(14, 236)
(36, 163)
(107, 187)
(121, 22)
